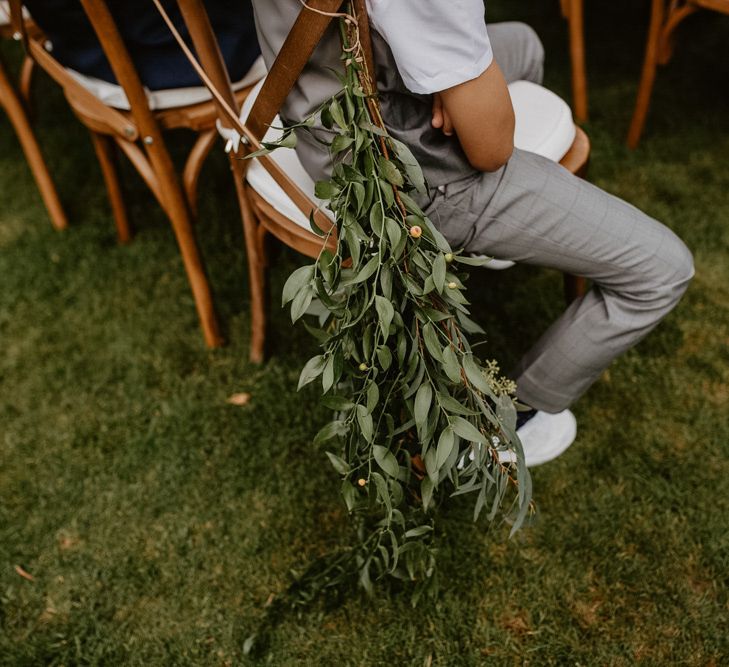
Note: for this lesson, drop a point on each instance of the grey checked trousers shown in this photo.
(533, 211)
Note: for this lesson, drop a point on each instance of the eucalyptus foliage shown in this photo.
(417, 416)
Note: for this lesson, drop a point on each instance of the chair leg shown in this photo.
(26, 80)
(181, 220)
(574, 287)
(191, 173)
(648, 77)
(106, 154)
(575, 18)
(255, 236)
(19, 119)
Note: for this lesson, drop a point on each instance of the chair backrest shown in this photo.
(300, 43)
(142, 121)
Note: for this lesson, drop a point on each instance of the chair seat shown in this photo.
(544, 123)
(5, 13)
(114, 96)
(544, 126)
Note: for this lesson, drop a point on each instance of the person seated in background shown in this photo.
(442, 78)
(161, 64)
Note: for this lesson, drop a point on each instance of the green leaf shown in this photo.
(312, 370)
(440, 240)
(384, 356)
(386, 282)
(431, 465)
(327, 377)
(390, 171)
(423, 401)
(439, 272)
(412, 168)
(426, 491)
(386, 460)
(377, 220)
(301, 302)
(468, 325)
(419, 531)
(446, 443)
(359, 195)
(385, 312)
(394, 232)
(338, 463)
(288, 140)
(366, 425)
(477, 260)
(369, 127)
(302, 276)
(335, 109)
(453, 406)
(341, 142)
(331, 430)
(349, 493)
(338, 403)
(327, 265)
(373, 396)
(387, 192)
(368, 270)
(325, 190)
(466, 430)
(476, 377)
(430, 338)
(450, 364)
(506, 411)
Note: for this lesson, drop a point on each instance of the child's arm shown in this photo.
(479, 111)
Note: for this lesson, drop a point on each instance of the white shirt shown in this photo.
(437, 44)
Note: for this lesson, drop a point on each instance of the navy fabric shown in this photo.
(159, 60)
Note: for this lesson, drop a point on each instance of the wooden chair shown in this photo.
(15, 103)
(572, 10)
(285, 213)
(138, 133)
(666, 16)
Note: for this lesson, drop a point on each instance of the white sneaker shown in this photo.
(544, 437)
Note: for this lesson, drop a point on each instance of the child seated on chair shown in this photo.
(442, 80)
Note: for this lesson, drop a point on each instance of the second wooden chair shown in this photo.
(138, 132)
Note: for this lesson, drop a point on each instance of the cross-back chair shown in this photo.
(138, 133)
(16, 103)
(666, 16)
(275, 194)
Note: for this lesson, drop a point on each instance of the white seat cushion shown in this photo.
(262, 182)
(114, 96)
(5, 13)
(543, 125)
(544, 122)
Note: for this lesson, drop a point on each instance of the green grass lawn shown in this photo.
(156, 519)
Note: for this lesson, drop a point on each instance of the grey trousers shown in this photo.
(533, 211)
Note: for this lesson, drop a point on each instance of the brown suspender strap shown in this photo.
(305, 35)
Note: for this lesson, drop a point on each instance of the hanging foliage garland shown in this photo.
(418, 417)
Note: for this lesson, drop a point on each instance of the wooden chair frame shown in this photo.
(259, 217)
(666, 16)
(16, 104)
(138, 133)
(573, 11)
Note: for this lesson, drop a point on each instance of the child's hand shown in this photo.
(441, 119)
